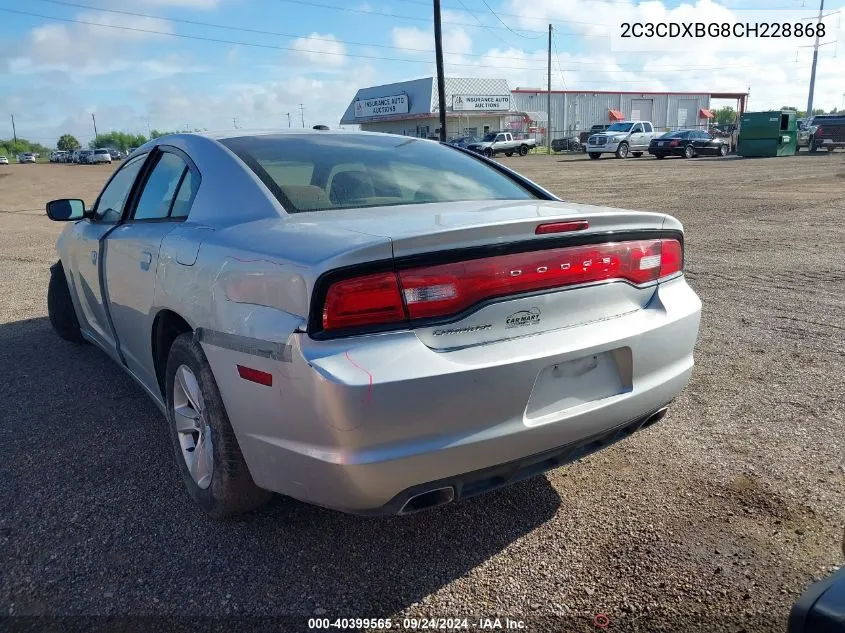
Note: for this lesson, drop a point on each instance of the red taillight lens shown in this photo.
(671, 258)
(368, 300)
(447, 289)
(561, 227)
(674, 144)
(819, 130)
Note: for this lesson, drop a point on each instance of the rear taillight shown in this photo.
(819, 130)
(674, 144)
(448, 289)
(363, 301)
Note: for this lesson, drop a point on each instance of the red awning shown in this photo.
(704, 113)
(616, 115)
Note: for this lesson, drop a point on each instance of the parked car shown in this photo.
(505, 143)
(28, 157)
(56, 156)
(84, 157)
(99, 156)
(4, 160)
(566, 145)
(596, 129)
(826, 131)
(463, 141)
(689, 144)
(115, 154)
(312, 341)
(622, 138)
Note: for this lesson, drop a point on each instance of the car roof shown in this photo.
(220, 136)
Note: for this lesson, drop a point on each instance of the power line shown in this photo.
(557, 58)
(334, 7)
(227, 27)
(250, 44)
(333, 40)
(496, 15)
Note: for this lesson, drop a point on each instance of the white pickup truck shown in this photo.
(622, 138)
(503, 143)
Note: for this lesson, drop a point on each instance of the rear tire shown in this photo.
(523, 150)
(231, 489)
(622, 150)
(60, 306)
(830, 149)
(594, 155)
(488, 153)
(689, 151)
(659, 156)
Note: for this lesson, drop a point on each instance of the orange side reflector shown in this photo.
(255, 375)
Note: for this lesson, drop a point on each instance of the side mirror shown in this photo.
(66, 210)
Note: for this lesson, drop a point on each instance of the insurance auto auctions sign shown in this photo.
(481, 102)
(382, 106)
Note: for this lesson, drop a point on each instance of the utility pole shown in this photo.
(288, 119)
(815, 60)
(235, 123)
(549, 98)
(441, 79)
(14, 132)
(95, 126)
(302, 113)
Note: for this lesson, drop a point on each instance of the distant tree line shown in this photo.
(9, 147)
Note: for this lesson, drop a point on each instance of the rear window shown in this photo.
(678, 134)
(102, 151)
(335, 171)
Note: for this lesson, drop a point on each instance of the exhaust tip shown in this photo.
(655, 417)
(428, 499)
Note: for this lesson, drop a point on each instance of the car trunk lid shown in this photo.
(450, 256)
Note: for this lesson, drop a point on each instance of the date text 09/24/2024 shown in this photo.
(417, 624)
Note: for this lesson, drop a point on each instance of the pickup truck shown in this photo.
(825, 131)
(502, 143)
(622, 138)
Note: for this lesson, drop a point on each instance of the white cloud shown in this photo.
(776, 69)
(321, 49)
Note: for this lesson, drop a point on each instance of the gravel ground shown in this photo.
(716, 518)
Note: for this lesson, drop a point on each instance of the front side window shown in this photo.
(638, 128)
(109, 207)
(336, 171)
(160, 188)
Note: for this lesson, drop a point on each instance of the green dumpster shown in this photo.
(768, 134)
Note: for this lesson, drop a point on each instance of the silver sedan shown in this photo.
(372, 323)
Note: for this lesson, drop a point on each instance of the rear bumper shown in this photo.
(363, 424)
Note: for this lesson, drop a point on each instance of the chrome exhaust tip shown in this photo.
(655, 417)
(428, 499)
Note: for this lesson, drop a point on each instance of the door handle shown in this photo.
(93, 258)
(146, 260)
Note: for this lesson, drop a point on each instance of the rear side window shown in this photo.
(336, 171)
(647, 127)
(160, 189)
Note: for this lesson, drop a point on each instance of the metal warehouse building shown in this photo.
(476, 106)
(574, 111)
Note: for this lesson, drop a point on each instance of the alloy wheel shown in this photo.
(192, 428)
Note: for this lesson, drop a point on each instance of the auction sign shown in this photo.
(481, 102)
(381, 106)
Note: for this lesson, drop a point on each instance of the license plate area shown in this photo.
(575, 385)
